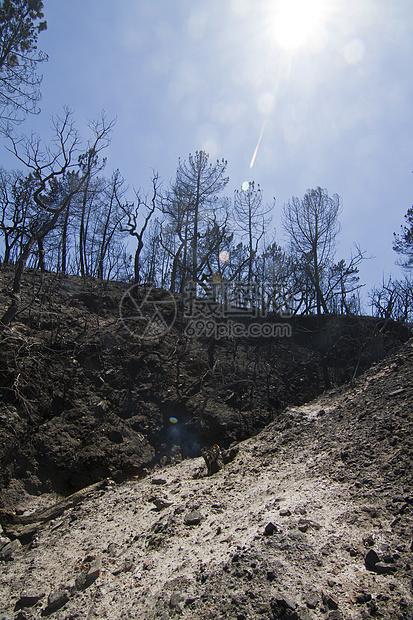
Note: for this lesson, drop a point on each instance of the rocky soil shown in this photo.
(311, 519)
(83, 397)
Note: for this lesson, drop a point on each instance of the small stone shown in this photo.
(282, 603)
(312, 601)
(285, 512)
(300, 510)
(371, 560)
(335, 615)
(56, 600)
(175, 599)
(95, 568)
(372, 605)
(270, 529)
(384, 569)
(127, 565)
(362, 598)
(330, 601)
(160, 504)
(28, 598)
(9, 550)
(113, 550)
(263, 608)
(369, 541)
(193, 518)
(158, 481)
(81, 582)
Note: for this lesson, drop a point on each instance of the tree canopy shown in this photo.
(403, 242)
(20, 23)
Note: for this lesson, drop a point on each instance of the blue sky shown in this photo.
(334, 90)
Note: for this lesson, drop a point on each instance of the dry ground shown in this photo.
(282, 531)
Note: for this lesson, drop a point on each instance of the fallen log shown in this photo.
(25, 526)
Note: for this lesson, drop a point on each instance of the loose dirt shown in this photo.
(312, 519)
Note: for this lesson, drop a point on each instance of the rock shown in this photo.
(282, 605)
(193, 518)
(175, 600)
(86, 578)
(28, 598)
(158, 481)
(9, 550)
(300, 510)
(101, 408)
(330, 601)
(270, 529)
(373, 563)
(372, 605)
(113, 550)
(304, 524)
(263, 608)
(229, 455)
(55, 601)
(95, 568)
(371, 560)
(384, 569)
(160, 504)
(81, 581)
(312, 601)
(335, 615)
(285, 512)
(126, 567)
(362, 598)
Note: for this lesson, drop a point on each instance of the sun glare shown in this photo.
(299, 22)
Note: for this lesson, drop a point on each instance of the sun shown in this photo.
(299, 22)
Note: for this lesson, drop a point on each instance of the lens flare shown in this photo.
(223, 256)
(258, 143)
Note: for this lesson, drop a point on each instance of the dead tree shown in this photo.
(47, 165)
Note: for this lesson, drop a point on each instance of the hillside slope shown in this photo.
(312, 519)
(82, 397)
